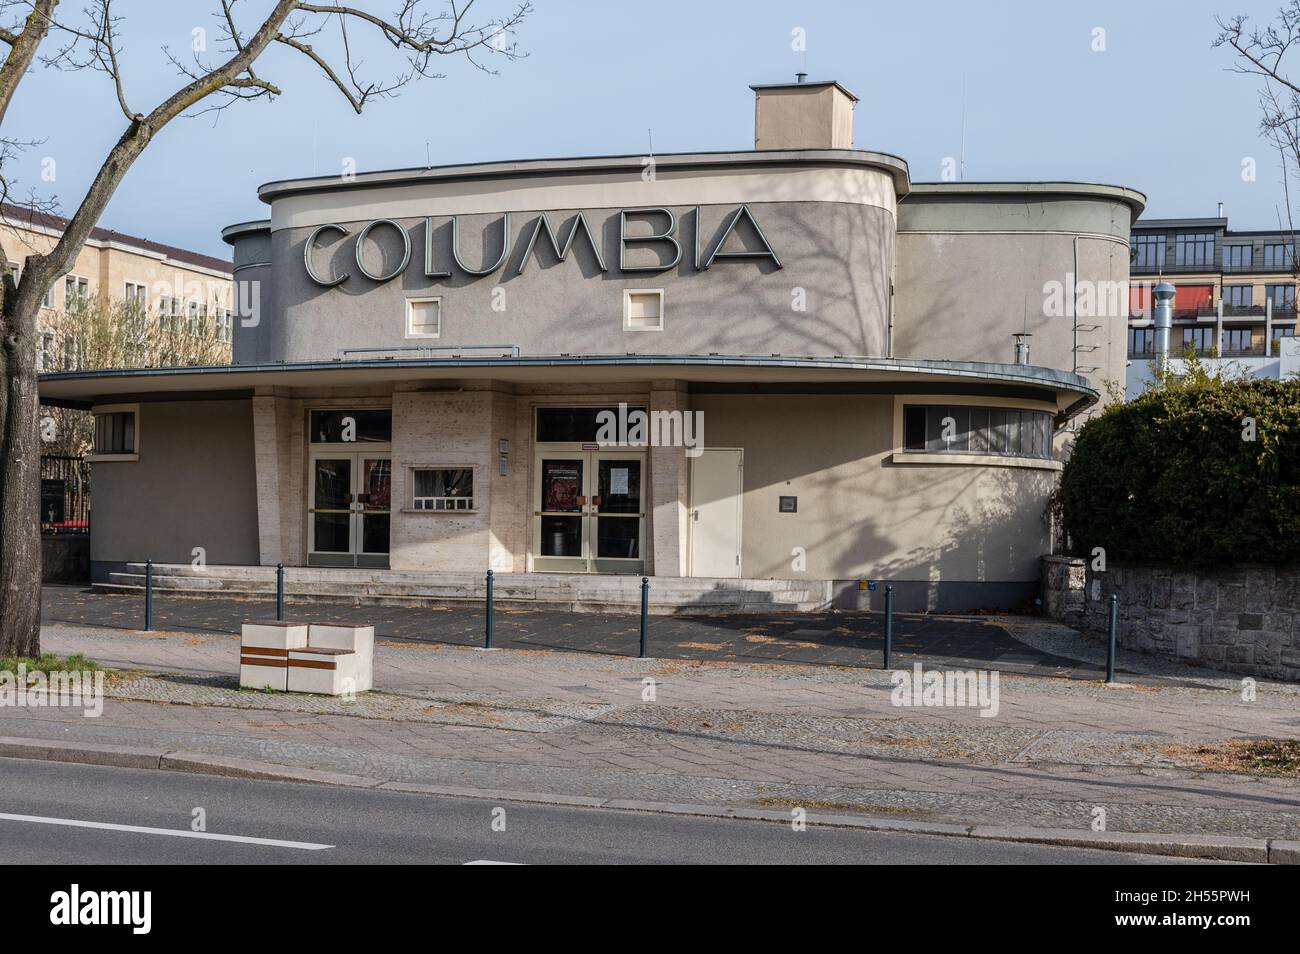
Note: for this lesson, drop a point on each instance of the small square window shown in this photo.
(424, 318)
(643, 309)
(116, 432)
(442, 488)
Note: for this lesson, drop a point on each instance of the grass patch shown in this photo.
(49, 662)
(1279, 757)
(825, 806)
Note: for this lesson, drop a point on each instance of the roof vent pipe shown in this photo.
(1163, 312)
(1022, 347)
(800, 77)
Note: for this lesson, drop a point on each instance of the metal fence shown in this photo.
(65, 494)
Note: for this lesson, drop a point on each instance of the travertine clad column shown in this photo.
(669, 489)
(266, 453)
(278, 457)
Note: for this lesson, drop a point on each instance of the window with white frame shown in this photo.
(136, 294)
(14, 272)
(424, 317)
(45, 352)
(47, 300)
(76, 292)
(643, 309)
(71, 353)
(973, 429)
(221, 316)
(169, 313)
(192, 317)
(445, 489)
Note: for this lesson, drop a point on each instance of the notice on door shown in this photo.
(618, 480)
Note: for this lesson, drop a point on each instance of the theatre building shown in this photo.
(782, 372)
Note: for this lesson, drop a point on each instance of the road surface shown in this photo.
(80, 814)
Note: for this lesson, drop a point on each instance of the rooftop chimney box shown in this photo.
(803, 115)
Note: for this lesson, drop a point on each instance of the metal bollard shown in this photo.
(487, 629)
(1110, 638)
(889, 624)
(645, 616)
(279, 592)
(148, 595)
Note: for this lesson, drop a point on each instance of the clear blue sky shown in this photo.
(1157, 110)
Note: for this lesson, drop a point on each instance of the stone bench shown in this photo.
(323, 658)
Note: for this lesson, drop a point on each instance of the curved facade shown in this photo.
(779, 364)
(723, 236)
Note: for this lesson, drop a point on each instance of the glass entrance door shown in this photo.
(590, 515)
(348, 516)
(617, 513)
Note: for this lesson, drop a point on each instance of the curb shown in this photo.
(1204, 847)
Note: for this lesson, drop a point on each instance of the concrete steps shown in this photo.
(562, 591)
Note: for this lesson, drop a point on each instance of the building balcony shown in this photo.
(1254, 351)
(1214, 268)
(1208, 313)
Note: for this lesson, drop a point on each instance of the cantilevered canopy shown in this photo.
(1070, 393)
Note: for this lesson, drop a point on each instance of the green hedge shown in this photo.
(1169, 478)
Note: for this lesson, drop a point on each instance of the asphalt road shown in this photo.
(289, 823)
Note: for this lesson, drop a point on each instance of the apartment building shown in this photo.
(183, 291)
(1235, 294)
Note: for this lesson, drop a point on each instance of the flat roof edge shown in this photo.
(1017, 373)
(251, 227)
(1135, 199)
(894, 165)
(806, 84)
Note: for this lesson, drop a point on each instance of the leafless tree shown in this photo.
(1262, 51)
(37, 33)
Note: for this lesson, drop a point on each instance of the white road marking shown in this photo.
(484, 861)
(173, 832)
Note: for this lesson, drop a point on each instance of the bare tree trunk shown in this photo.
(418, 36)
(20, 474)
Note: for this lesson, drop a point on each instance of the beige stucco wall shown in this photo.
(976, 266)
(193, 485)
(860, 515)
(812, 116)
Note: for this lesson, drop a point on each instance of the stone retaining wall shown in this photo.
(1244, 619)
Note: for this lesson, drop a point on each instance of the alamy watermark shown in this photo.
(636, 427)
(942, 687)
(35, 689)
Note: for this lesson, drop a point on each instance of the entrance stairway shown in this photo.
(574, 592)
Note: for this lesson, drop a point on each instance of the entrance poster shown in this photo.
(379, 484)
(618, 480)
(561, 485)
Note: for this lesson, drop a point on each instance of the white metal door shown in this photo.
(717, 485)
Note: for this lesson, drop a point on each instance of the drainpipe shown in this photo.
(1163, 313)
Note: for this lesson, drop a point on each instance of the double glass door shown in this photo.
(348, 515)
(590, 511)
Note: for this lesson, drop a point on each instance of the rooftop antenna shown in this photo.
(650, 140)
(961, 174)
(428, 158)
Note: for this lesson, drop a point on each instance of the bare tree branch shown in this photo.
(92, 43)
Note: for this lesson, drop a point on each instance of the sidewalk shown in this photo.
(717, 733)
(853, 639)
